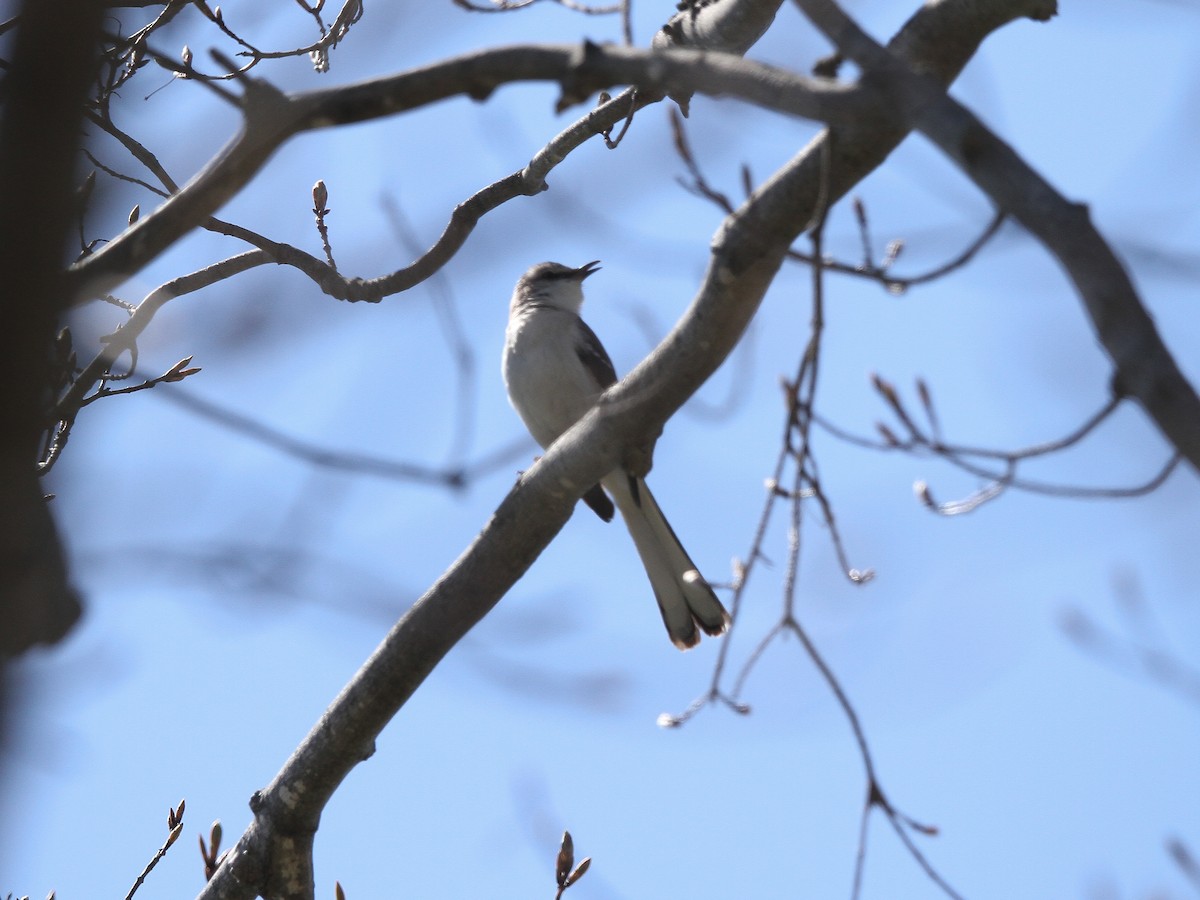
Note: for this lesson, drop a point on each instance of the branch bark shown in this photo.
(730, 25)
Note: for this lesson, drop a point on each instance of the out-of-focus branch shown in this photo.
(44, 92)
(1144, 367)
(1186, 861)
(253, 428)
(1141, 646)
(124, 340)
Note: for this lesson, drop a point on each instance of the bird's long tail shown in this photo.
(684, 597)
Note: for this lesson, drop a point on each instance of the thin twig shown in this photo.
(968, 459)
(175, 824)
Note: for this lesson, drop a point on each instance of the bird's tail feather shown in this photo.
(684, 597)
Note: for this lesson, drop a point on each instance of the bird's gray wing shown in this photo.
(598, 364)
(594, 357)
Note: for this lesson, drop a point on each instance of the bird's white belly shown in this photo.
(541, 364)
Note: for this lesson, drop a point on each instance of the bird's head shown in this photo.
(554, 284)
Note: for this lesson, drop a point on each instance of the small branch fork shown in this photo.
(566, 873)
(907, 436)
(125, 55)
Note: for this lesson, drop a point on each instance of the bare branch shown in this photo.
(980, 461)
(177, 372)
(828, 168)
(272, 117)
(1144, 367)
(124, 340)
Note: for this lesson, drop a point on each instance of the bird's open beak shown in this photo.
(588, 268)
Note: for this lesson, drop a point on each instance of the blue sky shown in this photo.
(233, 591)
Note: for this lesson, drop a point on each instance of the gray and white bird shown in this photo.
(555, 369)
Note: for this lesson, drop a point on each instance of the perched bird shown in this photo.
(555, 368)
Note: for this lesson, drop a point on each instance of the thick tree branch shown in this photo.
(733, 26)
(730, 25)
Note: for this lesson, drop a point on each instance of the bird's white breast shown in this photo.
(547, 384)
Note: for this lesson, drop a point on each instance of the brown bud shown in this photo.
(923, 393)
(566, 859)
(921, 489)
(579, 870)
(885, 388)
(860, 212)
